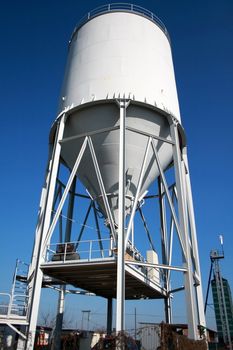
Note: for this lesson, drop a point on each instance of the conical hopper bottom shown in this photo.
(106, 145)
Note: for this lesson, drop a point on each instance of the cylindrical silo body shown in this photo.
(114, 55)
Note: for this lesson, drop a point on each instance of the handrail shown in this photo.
(11, 307)
(6, 294)
(121, 7)
(86, 249)
(89, 250)
(7, 305)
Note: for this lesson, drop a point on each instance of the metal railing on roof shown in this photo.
(118, 7)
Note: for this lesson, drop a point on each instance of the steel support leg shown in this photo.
(120, 298)
(164, 241)
(183, 220)
(200, 301)
(43, 225)
(70, 210)
(61, 298)
(60, 220)
(109, 316)
(59, 319)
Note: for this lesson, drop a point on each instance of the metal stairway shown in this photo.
(14, 305)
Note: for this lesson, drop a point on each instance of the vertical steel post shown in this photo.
(200, 301)
(109, 316)
(70, 210)
(61, 296)
(43, 226)
(135, 323)
(98, 231)
(163, 222)
(170, 251)
(120, 298)
(132, 238)
(183, 221)
(59, 319)
(60, 219)
(42, 207)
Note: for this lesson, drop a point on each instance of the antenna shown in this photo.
(221, 242)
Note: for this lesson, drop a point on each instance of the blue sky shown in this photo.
(34, 37)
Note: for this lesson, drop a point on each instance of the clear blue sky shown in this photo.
(34, 37)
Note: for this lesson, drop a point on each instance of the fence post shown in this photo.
(65, 252)
(90, 250)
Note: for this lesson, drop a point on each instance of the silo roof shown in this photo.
(121, 7)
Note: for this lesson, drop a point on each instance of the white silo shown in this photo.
(118, 130)
(108, 61)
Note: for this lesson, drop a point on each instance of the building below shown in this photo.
(229, 308)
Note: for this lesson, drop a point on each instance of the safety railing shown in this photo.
(125, 7)
(82, 250)
(90, 250)
(11, 307)
(19, 305)
(5, 301)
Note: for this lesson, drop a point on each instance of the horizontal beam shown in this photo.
(176, 290)
(71, 291)
(100, 131)
(13, 320)
(149, 135)
(158, 266)
(91, 133)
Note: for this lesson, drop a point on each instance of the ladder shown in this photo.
(14, 312)
(19, 291)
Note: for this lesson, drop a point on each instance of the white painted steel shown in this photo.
(120, 54)
(200, 301)
(120, 297)
(184, 226)
(35, 284)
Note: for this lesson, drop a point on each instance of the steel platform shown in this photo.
(99, 276)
